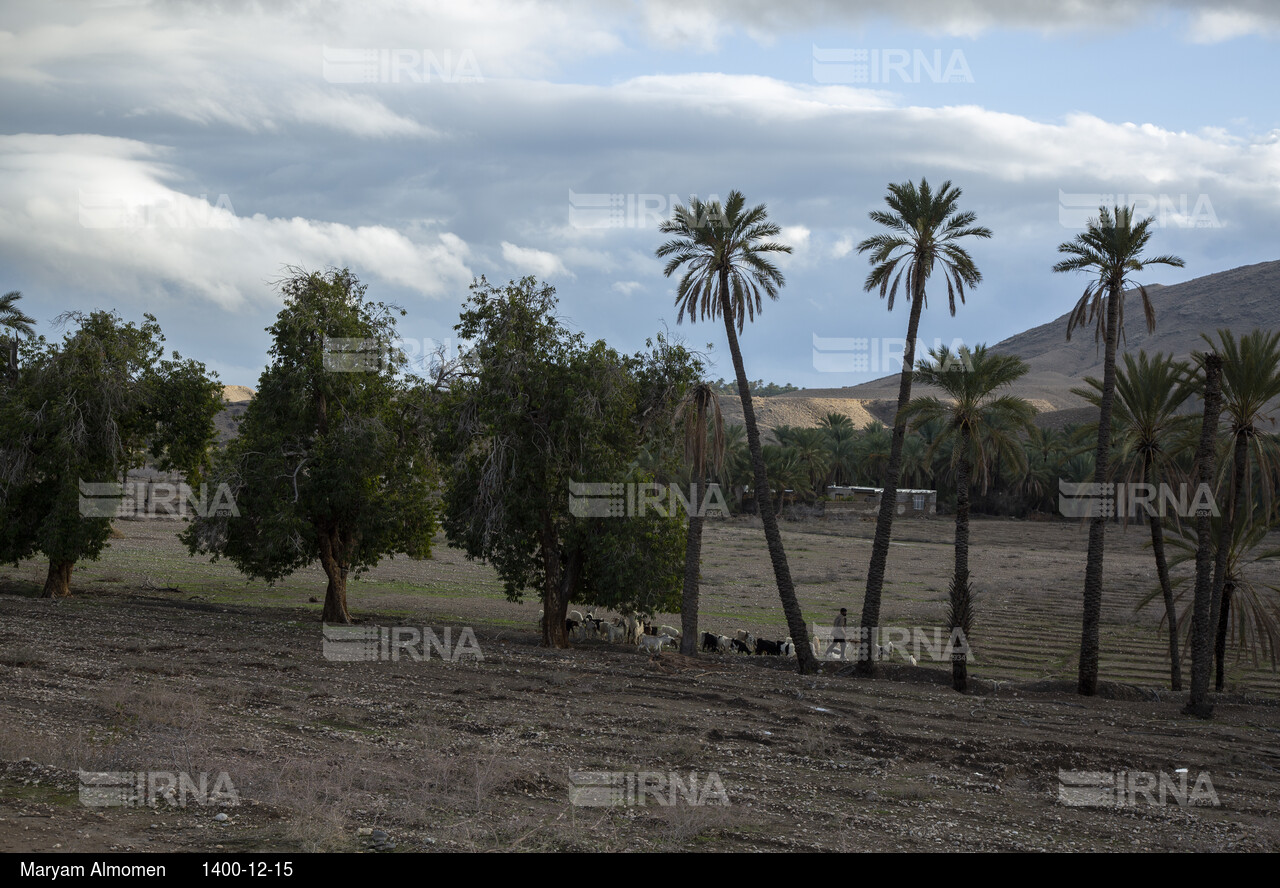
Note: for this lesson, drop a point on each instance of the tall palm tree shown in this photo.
(695, 410)
(924, 232)
(982, 427)
(725, 253)
(1250, 381)
(1149, 391)
(1110, 250)
(18, 323)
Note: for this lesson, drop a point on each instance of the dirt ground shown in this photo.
(162, 663)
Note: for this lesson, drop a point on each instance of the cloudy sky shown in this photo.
(172, 157)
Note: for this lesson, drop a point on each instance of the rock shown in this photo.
(364, 831)
(379, 835)
(221, 817)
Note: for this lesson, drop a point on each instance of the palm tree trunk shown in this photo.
(1201, 640)
(777, 555)
(689, 601)
(961, 592)
(889, 496)
(1089, 642)
(1220, 652)
(1166, 588)
(1240, 468)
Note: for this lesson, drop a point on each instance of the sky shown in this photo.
(176, 158)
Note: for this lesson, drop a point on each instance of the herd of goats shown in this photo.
(654, 639)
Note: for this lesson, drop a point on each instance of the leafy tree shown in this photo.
(1149, 392)
(331, 462)
(725, 253)
(540, 409)
(86, 411)
(1110, 250)
(924, 233)
(980, 424)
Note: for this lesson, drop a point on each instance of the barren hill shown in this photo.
(1239, 299)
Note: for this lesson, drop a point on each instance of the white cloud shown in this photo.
(99, 213)
(842, 247)
(626, 288)
(534, 261)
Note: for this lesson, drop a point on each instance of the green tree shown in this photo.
(1110, 250)
(925, 230)
(538, 411)
(1149, 391)
(724, 251)
(331, 462)
(84, 412)
(981, 426)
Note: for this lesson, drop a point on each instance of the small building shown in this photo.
(858, 501)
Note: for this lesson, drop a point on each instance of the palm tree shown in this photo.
(699, 406)
(735, 474)
(1198, 703)
(873, 446)
(811, 448)
(841, 447)
(1250, 381)
(18, 323)
(1251, 606)
(981, 426)
(725, 253)
(1110, 250)
(924, 231)
(1149, 391)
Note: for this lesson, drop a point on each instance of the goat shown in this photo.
(655, 643)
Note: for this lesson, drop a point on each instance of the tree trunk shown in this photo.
(1166, 589)
(689, 601)
(781, 571)
(889, 496)
(961, 591)
(1089, 641)
(57, 582)
(1220, 653)
(1201, 638)
(556, 591)
(335, 568)
(1240, 467)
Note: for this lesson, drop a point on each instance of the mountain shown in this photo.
(1239, 299)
